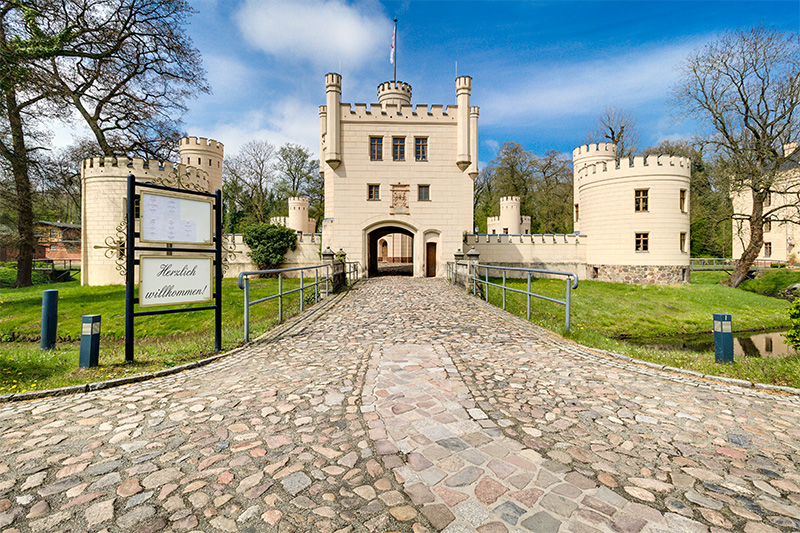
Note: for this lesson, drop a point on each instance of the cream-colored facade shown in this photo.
(635, 214)
(510, 221)
(397, 168)
(104, 191)
(782, 232)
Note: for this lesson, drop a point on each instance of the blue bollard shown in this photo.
(90, 341)
(723, 338)
(49, 319)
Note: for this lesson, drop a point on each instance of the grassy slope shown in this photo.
(161, 341)
(604, 313)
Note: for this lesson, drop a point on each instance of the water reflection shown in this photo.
(745, 344)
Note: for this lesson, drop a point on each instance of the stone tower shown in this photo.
(204, 154)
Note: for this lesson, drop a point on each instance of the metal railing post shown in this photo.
(504, 290)
(569, 297)
(529, 296)
(486, 283)
(246, 309)
(316, 285)
(280, 297)
(302, 296)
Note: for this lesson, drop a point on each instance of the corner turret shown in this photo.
(333, 90)
(463, 89)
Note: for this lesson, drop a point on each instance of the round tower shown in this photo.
(510, 214)
(463, 90)
(298, 214)
(394, 93)
(204, 154)
(333, 119)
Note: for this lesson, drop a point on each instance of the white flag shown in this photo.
(394, 40)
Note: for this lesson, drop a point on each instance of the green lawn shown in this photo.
(161, 341)
(605, 315)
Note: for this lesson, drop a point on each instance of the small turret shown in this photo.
(394, 93)
(463, 89)
(203, 154)
(333, 90)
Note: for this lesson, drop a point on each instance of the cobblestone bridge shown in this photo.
(405, 405)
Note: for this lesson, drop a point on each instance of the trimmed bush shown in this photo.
(269, 244)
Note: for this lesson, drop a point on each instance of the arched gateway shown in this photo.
(398, 177)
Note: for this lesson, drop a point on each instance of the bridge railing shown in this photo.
(571, 279)
(322, 278)
(57, 264)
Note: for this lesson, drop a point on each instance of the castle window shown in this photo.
(683, 241)
(642, 242)
(577, 212)
(683, 200)
(505, 231)
(198, 161)
(767, 249)
(373, 192)
(376, 148)
(421, 148)
(767, 225)
(424, 193)
(399, 148)
(640, 200)
(768, 199)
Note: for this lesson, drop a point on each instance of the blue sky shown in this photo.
(542, 71)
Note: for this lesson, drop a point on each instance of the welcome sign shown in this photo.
(169, 280)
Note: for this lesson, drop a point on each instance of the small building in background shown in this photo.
(58, 240)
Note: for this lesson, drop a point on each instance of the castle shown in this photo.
(399, 187)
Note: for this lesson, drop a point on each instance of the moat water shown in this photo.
(745, 344)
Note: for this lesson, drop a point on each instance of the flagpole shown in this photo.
(394, 44)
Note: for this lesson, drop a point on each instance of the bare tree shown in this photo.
(249, 181)
(745, 89)
(133, 96)
(105, 58)
(618, 127)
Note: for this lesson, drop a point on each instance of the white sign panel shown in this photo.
(175, 219)
(169, 280)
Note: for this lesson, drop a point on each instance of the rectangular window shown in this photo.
(376, 148)
(767, 249)
(640, 200)
(421, 148)
(683, 200)
(424, 193)
(505, 231)
(53, 248)
(768, 199)
(768, 225)
(577, 212)
(373, 192)
(683, 242)
(642, 242)
(399, 148)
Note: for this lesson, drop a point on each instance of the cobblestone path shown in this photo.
(405, 405)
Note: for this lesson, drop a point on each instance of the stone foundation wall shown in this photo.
(639, 274)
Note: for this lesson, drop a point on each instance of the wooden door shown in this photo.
(430, 259)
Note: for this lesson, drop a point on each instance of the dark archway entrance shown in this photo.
(387, 261)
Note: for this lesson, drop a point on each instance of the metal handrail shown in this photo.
(571, 284)
(244, 283)
(353, 270)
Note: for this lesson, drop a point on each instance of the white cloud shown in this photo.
(228, 75)
(294, 121)
(321, 32)
(584, 87)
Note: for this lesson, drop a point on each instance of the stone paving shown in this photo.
(406, 405)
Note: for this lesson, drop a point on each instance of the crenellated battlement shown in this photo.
(463, 83)
(639, 166)
(595, 148)
(203, 143)
(332, 80)
(417, 112)
(143, 169)
(509, 200)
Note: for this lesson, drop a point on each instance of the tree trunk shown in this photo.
(24, 196)
(750, 253)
